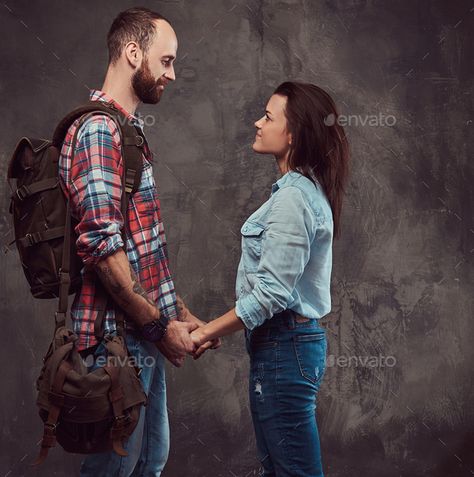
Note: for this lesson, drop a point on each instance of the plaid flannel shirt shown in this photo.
(94, 186)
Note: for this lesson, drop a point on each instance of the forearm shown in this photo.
(185, 315)
(122, 284)
(183, 312)
(222, 326)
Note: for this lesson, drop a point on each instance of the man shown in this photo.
(142, 49)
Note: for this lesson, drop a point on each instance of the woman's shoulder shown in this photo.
(312, 193)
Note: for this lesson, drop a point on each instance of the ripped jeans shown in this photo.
(287, 364)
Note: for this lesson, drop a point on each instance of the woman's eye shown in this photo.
(267, 118)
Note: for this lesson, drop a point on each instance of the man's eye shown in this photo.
(166, 62)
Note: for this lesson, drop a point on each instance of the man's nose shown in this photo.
(171, 74)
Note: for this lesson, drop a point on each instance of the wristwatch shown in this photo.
(155, 330)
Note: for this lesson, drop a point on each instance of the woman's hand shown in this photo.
(207, 336)
(201, 343)
(204, 344)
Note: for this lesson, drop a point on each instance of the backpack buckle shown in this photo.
(50, 428)
(59, 318)
(22, 192)
(122, 420)
(32, 239)
(137, 140)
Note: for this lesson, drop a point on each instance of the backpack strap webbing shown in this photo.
(49, 431)
(122, 419)
(132, 142)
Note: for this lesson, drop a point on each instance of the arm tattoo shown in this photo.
(138, 289)
(182, 310)
(117, 290)
(110, 283)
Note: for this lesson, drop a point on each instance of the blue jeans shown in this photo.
(148, 446)
(287, 364)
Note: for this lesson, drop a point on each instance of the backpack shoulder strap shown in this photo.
(132, 144)
(132, 139)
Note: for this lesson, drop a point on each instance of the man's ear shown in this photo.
(133, 54)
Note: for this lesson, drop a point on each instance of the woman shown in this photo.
(283, 279)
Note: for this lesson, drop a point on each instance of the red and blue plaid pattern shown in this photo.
(94, 186)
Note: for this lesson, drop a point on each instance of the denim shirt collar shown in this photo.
(289, 176)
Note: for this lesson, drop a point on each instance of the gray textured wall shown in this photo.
(402, 281)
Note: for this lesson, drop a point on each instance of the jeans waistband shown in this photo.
(278, 324)
(284, 319)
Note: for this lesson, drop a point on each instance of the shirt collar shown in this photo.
(284, 179)
(98, 95)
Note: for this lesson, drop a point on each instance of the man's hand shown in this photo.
(176, 342)
(186, 316)
(211, 344)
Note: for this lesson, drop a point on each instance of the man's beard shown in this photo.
(145, 85)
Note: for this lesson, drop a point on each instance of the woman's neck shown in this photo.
(282, 163)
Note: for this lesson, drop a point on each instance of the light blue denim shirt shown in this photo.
(286, 259)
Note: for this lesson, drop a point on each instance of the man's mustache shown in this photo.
(160, 82)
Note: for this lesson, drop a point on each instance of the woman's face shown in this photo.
(272, 136)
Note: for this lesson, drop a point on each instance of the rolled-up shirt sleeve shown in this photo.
(96, 189)
(286, 245)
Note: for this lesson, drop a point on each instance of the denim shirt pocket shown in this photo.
(252, 237)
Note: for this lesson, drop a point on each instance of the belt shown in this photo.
(301, 318)
(285, 314)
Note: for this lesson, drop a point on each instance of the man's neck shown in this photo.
(119, 88)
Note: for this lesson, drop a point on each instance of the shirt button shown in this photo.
(245, 229)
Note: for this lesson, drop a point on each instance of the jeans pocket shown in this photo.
(260, 343)
(310, 352)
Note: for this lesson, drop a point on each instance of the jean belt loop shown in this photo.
(291, 319)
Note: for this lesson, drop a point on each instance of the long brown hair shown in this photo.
(319, 147)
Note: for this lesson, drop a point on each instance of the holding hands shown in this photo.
(201, 343)
(176, 342)
(185, 336)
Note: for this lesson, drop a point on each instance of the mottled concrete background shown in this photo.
(397, 395)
